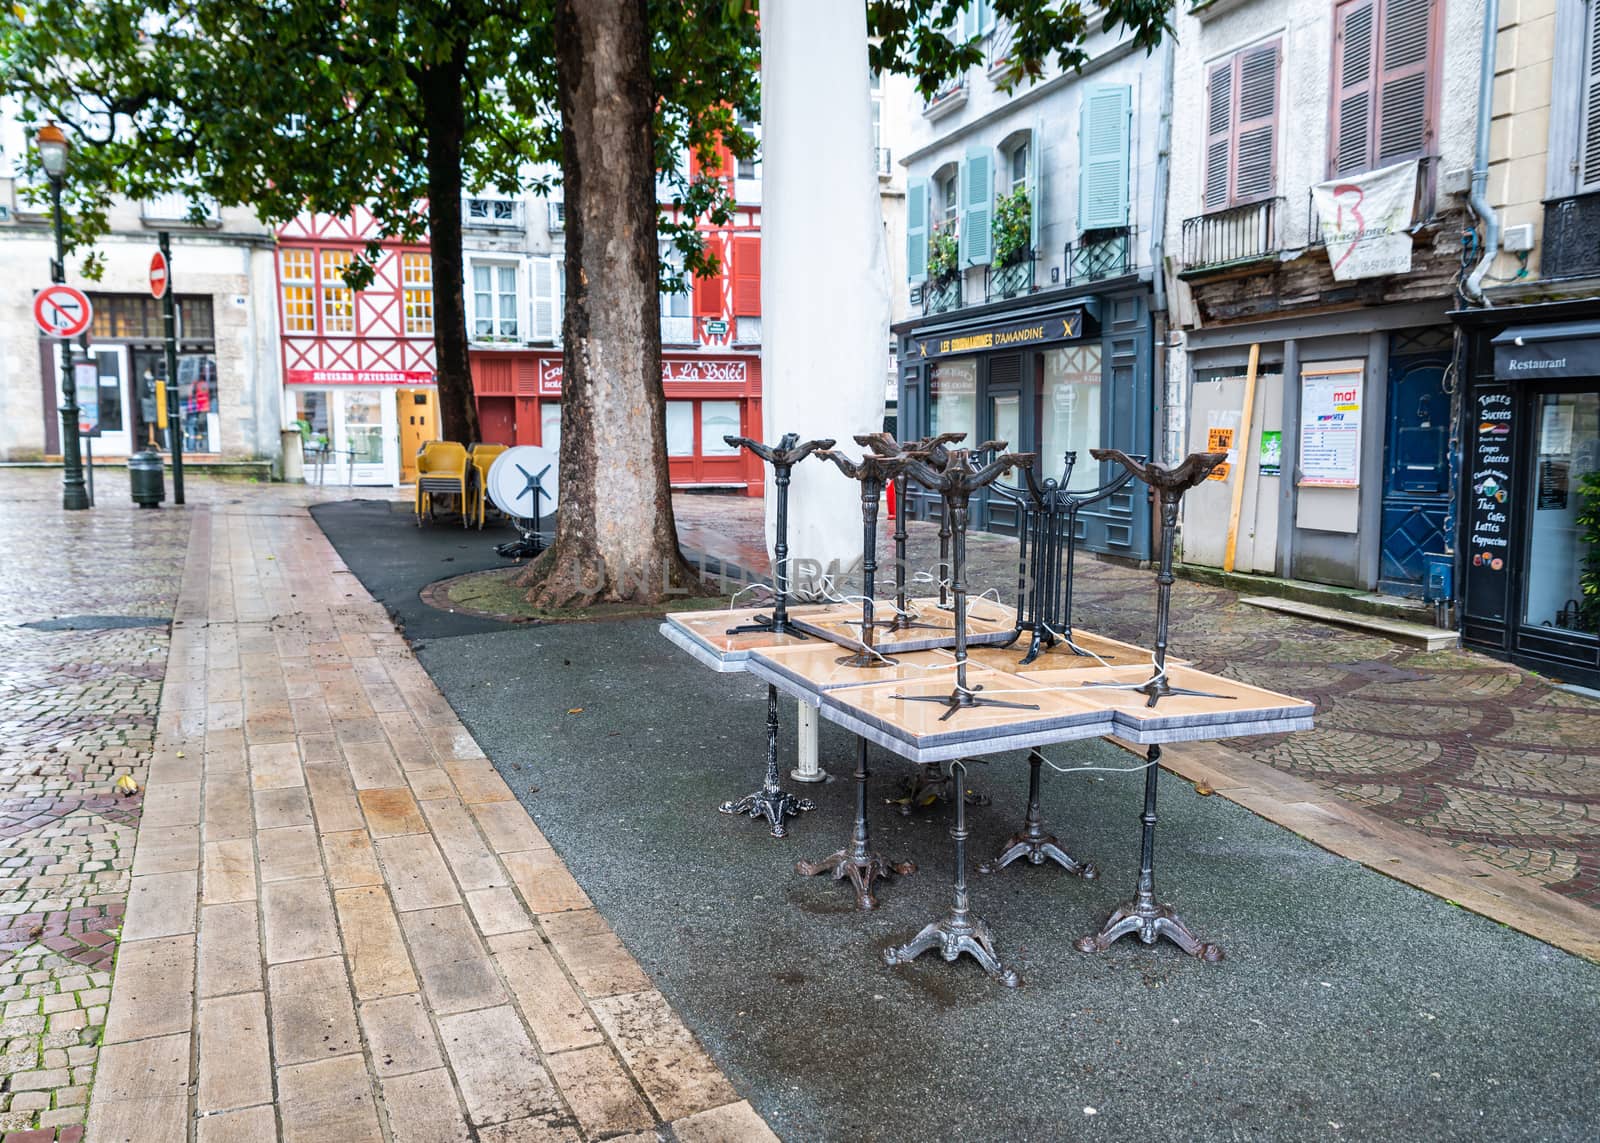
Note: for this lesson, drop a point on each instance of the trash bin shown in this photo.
(294, 456)
(146, 480)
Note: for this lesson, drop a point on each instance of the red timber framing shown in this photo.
(382, 335)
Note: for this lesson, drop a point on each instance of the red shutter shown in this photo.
(1219, 134)
(1355, 51)
(1405, 103)
(747, 275)
(1255, 148)
(708, 292)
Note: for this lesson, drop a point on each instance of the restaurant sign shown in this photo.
(1058, 327)
(1527, 353)
(735, 369)
(359, 377)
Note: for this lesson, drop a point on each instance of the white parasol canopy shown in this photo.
(824, 274)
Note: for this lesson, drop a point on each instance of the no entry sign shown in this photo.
(61, 311)
(158, 274)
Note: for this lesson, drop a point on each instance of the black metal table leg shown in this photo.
(772, 801)
(932, 783)
(1032, 841)
(1142, 916)
(958, 931)
(856, 861)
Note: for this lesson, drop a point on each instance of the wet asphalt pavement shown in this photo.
(1349, 1006)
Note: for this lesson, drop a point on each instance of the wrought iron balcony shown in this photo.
(1098, 254)
(1009, 281)
(1231, 237)
(940, 297)
(1571, 237)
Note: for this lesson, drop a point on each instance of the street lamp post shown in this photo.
(53, 151)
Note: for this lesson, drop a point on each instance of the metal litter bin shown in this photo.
(146, 479)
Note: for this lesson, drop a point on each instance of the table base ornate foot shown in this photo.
(1150, 922)
(952, 937)
(775, 804)
(866, 660)
(964, 700)
(856, 861)
(1158, 689)
(1032, 841)
(929, 786)
(771, 624)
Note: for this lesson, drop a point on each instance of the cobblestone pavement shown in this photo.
(1479, 754)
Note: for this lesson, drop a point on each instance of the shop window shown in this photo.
(1384, 84)
(363, 426)
(1068, 411)
(717, 420)
(495, 303)
(310, 416)
(416, 279)
(1565, 490)
(680, 428)
(197, 401)
(953, 398)
(550, 426)
(338, 300)
(1005, 417)
(1242, 128)
(299, 292)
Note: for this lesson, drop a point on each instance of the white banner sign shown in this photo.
(1364, 221)
(1330, 429)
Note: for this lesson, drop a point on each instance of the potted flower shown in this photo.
(1013, 227)
(944, 255)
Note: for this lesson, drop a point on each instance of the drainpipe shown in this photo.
(1480, 163)
(1171, 395)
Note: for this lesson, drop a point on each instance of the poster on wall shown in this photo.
(1488, 534)
(1330, 428)
(1220, 440)
(1271, 452)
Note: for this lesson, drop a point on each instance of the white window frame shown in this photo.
(497, 318)
(491, 211)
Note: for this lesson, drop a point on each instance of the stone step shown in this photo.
(1400, 630)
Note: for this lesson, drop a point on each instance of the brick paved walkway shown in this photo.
(339, 924)
(1454, 746)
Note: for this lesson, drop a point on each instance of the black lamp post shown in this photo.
(53, 152)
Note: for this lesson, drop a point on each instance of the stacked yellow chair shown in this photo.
(442, 468)
(483, 455)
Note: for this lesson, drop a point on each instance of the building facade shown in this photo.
(1528, 561)
(222, 279)
(1321, 160)
(358, 366)
(710, 332)
(1027, 273)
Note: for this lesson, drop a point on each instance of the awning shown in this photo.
(1554, 351)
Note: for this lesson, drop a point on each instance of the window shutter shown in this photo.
(747, 276)
(1035, 186)
(544, 299)
(1405, 128)
(977, 208)
(917, 231)
(1103, 170)
(1256, 125)
(1219, 134)
(708, 291)
(1355, 49)
(1589, 144)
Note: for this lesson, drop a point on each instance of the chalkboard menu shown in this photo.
(1489, 503)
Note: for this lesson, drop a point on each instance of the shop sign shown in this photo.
(359, 377)
(1536, 358)
(1488, 532)
(1364, 221)
(1060, 327)
(1330, 428)
(735, 369)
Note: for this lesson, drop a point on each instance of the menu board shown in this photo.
(1330, 428)
(1489, 487)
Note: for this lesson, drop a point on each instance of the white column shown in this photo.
(824, 275)
(809, 769)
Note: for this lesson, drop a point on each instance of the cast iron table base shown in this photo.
(782, 456)
(772, 801)
(1032, 841)
(856, 861)
(958, 931)
(929, 785)
(1142, 916)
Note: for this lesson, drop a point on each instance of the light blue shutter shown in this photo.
(1103, 150)
(1035, 186)
(917, 231)
(977, 208)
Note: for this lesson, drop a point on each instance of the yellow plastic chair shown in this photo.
(483, 456)
(442, 469)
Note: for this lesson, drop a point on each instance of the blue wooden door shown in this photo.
(1416, 484)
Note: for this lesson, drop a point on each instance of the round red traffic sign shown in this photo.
(61, 311)
(158, 274)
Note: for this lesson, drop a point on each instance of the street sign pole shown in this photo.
(169, 322)
(74, 494)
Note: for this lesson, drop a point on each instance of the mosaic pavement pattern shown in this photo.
(1465, 749)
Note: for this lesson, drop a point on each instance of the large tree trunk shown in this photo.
(615, 535)
(445, 121)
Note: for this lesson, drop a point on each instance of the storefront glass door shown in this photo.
(116, 436)
(358, 429)
(1068, 414)
(1563, 579)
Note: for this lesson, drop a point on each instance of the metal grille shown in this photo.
(1238, 234)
